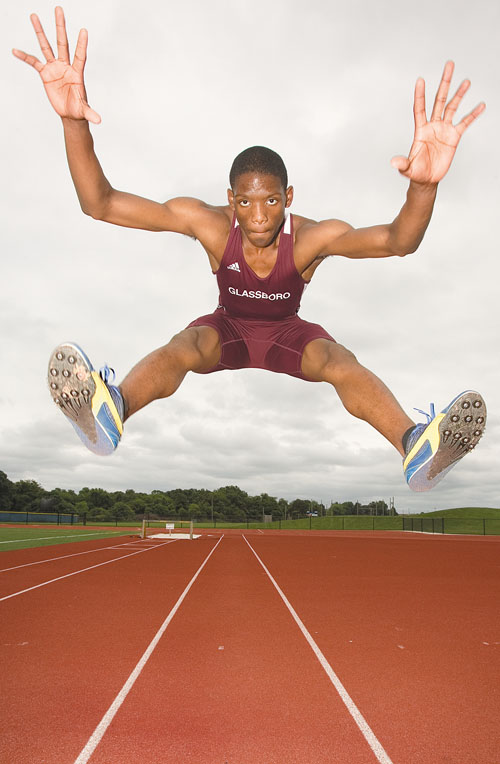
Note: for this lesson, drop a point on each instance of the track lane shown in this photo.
(23, 559)
(23, 580)
(69, 647)
(233, 681)
(405, 627)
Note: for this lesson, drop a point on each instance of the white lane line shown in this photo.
(76, 572)
(110, 714)
(356, 714)
(65, 556)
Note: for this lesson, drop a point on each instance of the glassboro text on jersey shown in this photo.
(259, 295)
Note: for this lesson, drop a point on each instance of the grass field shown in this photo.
(33, 536)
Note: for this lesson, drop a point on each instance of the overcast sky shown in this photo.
(182, 88)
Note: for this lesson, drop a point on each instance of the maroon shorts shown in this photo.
(273, 345)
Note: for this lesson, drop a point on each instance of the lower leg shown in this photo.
(160, 373)
(362, 393)
(374, 402)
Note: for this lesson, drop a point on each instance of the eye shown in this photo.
(272, 202)
(244, 203)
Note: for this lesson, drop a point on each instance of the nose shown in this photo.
(259, 214)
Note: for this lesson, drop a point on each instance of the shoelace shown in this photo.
(107, 374)
(430, 416)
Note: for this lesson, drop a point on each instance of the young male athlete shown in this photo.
(262, 257)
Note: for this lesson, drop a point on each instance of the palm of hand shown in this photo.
(63, 81)
(432, 152)
(435, 140)
(65, 89)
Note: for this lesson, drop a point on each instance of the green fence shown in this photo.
(476, 526)
(57, 518)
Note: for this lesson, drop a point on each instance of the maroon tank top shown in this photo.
(243, 294)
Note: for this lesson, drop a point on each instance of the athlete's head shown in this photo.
(260, 161)
(259, 194)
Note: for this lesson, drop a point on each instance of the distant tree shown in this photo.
(96, 497)
(336, 509)
(27, 496)
(160, 504)
(82, 508)
(66, 494)
(378, 507)
(122, 511)
(229, 499)
(100, 515)
(59, 500)
(282, 509)
(193, 511)
(180, 499)
(254, 508)
(269, 504)
(139, 505)
(222, 504)
(299, 507)
(239, 516)
(6, 492)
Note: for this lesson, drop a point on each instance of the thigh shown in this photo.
(321, 357)
(231, 344)
(198, 346)
(289, 341)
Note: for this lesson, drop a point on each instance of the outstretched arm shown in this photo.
(431, 154)
(64, 84)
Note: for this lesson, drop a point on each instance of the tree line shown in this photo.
(226, 503)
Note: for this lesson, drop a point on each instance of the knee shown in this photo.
(328, 362)
(338, 364)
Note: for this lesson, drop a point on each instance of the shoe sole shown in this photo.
(450, 436)
(78, 390)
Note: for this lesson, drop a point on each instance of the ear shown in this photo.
(289, 196)
(230, 198)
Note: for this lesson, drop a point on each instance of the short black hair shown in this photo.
(259, 159)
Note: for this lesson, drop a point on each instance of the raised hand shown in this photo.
(62, 80)
(435, 140)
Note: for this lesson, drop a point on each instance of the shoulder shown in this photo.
(211, 226)
(198, 216)
(208, 223)
(316, 238)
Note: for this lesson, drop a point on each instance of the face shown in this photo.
(259, 202)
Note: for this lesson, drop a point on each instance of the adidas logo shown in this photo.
(234, 267)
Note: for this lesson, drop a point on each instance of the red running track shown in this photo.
(408, 624)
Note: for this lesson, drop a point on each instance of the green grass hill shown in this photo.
(464, 512)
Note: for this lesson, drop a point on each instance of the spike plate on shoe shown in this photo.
(82, 396)
(447, 438)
